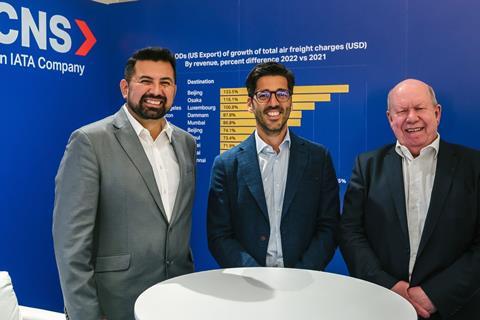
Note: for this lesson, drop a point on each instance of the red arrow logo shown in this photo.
(90, 39)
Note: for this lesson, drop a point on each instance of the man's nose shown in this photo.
(156, 89)
(273, 99)
(412, 115)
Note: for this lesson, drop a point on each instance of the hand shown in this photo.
(420, 297)
(402, 288)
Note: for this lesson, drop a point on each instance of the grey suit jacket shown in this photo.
(111, 236)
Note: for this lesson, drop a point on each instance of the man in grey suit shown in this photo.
(123, 197)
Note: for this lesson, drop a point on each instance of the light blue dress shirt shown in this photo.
(274, 170)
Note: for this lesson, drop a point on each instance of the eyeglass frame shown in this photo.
(270, 93)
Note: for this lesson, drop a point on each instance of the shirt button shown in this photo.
(263, 238)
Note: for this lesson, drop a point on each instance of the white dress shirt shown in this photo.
(418, 178)
(274, 170)
(163, 160)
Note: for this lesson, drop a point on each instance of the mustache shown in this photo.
(276, 107)
(151, 96)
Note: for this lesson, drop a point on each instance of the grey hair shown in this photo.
(430, 91)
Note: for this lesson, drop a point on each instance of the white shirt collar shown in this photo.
(137, 126)
(262, 144)
(405, 153)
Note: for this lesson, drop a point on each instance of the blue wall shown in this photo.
(431, 40)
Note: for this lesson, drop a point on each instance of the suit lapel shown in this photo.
(296, 165)
(179, 148)
(249, 170)
(446, 164)
(129, 141)
(393, 163)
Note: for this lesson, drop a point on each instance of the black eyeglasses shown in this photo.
(264, 96)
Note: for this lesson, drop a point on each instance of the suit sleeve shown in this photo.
(75, 209)
(323, 245)
(225, 248)
(451, 288)
(359, 256)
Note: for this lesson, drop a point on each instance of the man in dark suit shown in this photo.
(273, 199)
(411, 216)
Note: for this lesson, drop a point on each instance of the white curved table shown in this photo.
(270, 293)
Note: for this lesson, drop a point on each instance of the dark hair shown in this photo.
(150, 54)
(268, 69)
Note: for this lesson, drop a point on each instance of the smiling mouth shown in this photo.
(273, 113)
(154, 102)
(413, 130)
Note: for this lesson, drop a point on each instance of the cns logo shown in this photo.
(58, 25)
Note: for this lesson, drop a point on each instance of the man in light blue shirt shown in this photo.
(273, 199)
(274, 168)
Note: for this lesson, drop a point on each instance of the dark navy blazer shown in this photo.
(374, 231)
(237, 219)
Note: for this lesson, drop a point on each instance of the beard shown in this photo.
(149, 113)
(272, 129)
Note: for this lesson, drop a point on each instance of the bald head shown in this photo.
(413, 114)
(408, 85)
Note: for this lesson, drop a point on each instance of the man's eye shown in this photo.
(263, 95)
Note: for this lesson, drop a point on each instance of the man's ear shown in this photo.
(124, 88)
(389, 117)
(250, 105)
(438, 113)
